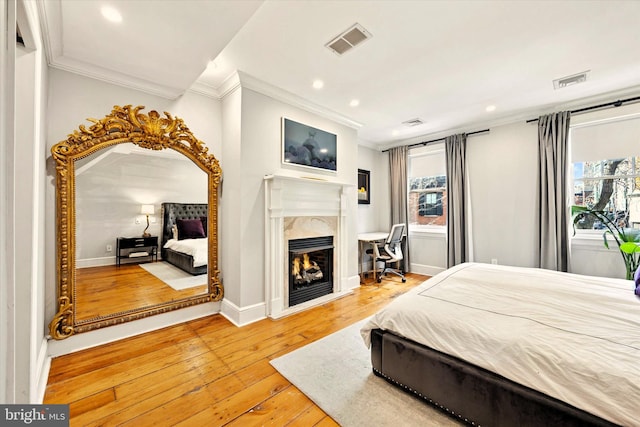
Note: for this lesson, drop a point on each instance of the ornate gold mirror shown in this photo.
(88, 204)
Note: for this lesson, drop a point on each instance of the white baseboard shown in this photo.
(241, 316)
(427, 270)
(353, 282)
(44, 365)
(117, 332)
(96, 262)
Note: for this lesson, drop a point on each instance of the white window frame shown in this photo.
(433, 150)
(602, 117)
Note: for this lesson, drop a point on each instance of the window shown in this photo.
(612, 186)
(430, 204)
(606, 170)
(427, 188)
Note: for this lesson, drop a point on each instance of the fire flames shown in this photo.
(305, 270)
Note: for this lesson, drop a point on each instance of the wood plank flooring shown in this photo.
(207, 372)
(105, 290)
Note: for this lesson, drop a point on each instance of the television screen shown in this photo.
(304, 145)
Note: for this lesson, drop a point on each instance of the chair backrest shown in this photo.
(396, 233)
(393, 244)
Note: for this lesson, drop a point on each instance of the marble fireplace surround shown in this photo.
(298, 208)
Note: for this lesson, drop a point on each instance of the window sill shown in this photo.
(592, 242)
(428, 231)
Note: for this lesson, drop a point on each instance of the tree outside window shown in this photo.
(611, 186)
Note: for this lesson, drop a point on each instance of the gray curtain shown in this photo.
(552, 234)
(399, 207)
(457, 232)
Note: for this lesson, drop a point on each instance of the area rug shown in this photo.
(173, 276)
(335, 372)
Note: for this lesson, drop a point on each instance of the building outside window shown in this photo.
(430, 204)
(427, 185)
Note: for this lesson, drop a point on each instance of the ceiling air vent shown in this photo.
(349, 39)
(570, 80)
(413, 122)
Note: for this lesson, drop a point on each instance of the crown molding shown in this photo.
(204, 89)
(115, 77)
(50, 16)
(252, 83)
(521, 116)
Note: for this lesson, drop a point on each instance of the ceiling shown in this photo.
(443, 62)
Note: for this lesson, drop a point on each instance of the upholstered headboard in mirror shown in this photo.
(172, 213)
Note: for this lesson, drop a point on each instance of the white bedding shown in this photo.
(197, 248)
(572, 337)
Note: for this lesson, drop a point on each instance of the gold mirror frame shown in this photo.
(150, 131)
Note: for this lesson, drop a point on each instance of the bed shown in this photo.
(184, 236)
(505, 346)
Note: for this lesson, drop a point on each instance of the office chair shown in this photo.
(391, 252)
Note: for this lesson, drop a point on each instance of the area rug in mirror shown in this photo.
(173, 276)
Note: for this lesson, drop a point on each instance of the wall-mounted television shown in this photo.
(304, 145)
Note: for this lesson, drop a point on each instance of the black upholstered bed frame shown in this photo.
(467, 392)
(170, 213)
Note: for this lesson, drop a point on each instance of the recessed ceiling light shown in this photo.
(111, 14)
(395, 132)
(354, 103)
(318, 84)
(491, 108)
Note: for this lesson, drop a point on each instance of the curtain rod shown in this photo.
(438, 140)
(617, 103)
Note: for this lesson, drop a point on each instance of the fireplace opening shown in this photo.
(310, 268)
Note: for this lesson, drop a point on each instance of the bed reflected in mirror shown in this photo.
(118, 269)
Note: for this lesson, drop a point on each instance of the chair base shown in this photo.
(391, 270)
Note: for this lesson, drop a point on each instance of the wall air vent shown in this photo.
(570, 80)
(355, 35)
(413, 122)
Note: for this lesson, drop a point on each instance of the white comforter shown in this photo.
(576, 338)
(197, 248)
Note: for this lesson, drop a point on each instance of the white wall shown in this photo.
(376, 215)
(22, 360)
(502, 180)
(501, 167)
(7, 323)
(259, 155)
(230, 202)
(74, 98)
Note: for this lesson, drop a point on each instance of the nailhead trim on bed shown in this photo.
(426, 398)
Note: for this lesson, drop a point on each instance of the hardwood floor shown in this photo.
(207, 371)
(101, 291)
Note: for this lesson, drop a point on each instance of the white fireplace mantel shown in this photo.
(291, 197)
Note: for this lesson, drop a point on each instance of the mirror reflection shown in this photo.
(122, 193)
(119, 195)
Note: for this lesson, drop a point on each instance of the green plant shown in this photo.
(627, 239)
